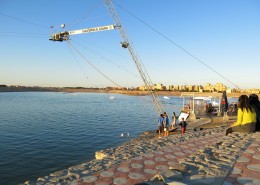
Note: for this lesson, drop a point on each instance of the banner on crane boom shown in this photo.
(95, 29)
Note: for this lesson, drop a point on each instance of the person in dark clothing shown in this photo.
(183, 125)
(160, 124)
(254, 101)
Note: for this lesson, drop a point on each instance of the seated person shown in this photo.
(246, 117)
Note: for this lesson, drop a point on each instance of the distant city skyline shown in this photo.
(180, 42)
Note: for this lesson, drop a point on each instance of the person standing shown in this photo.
(173, 120)
(160, 125)
(183, 125)
(165, 124)
(246, 117)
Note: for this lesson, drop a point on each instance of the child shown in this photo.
(183, 125)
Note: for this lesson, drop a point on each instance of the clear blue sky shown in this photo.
(223, 34)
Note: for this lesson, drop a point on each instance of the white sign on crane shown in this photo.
(61, 36)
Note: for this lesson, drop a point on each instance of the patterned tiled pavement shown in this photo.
(245, 171)
(147, 165)
(247, 168)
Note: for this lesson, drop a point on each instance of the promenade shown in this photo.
(197, 157)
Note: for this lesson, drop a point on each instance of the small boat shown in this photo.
(166, 97)
(112, 97)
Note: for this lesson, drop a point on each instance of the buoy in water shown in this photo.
(125, 135)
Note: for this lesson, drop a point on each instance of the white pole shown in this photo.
(193, 104)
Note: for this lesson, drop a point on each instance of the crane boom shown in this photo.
(127, 44)
(61, 36)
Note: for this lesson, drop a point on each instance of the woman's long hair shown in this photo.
(243, 102)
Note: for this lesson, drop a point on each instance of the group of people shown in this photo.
(164, 124)
(208, 108)
(248, 118)
(248, 115)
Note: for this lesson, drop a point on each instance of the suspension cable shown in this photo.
(87, 13)
(109, 60)
(24, 21)
(177, 45)
(70, 44)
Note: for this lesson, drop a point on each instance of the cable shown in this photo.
(110, 61)
(75, 59)
(15, 34)
(41, 37)
(69, 43)
(87, 13)
(24, 33)
(25, 21)
(177, 45)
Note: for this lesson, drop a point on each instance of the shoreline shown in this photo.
(145, 143)
(125, 92)
(205, 157)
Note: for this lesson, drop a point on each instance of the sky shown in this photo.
(180, 42)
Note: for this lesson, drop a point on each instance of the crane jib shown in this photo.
(95, 29)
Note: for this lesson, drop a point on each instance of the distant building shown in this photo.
(220, 87)
(190, 88)
(170, 87)
(159, 87)
(208, 87)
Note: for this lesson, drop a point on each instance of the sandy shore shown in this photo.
(150, 146)
(127, 92)
(161, 93)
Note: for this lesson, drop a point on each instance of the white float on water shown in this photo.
(166, 97)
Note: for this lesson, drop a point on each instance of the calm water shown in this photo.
(43, 132)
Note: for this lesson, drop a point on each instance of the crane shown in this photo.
(127, 44)
(63, 36)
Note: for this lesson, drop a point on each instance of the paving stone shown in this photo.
(236, 171)
(149, 171)
(179, 153)
(138, 158)
(120, 181)
(89, 179)
(136, 176)
(168, 151)
(136, 165)
(162, 167)
(148, 155)
(170, 156)
(254, 167)
(149, 162)
(188, 152)
(122, 169)
(243, 159)
(256, 157)
(249, 151)
(176, 148)
(107, 174)
(102, 183)
(172, 163)
(254, 146)
(159, 152)
(159, 159)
